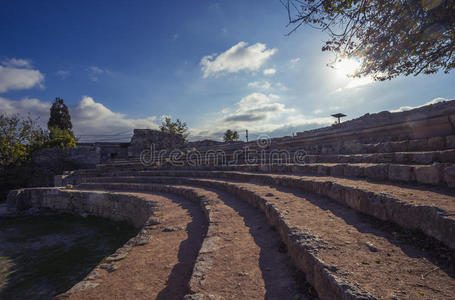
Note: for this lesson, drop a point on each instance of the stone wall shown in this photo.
(115, 206)
(49, 162)
(144, 138)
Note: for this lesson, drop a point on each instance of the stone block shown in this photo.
(423, 157)
(436, 143)
(450, 141)
(401, 173)
(384, 158)
(417, 145)
(447, 156)
(58, 180)
(401, 146)
(337, 170)
(353, 147)
(403, 157)
(369, 148)
(354, 171)
(429, 174)
(449, 176)
(323, 170)
(325, 150)
(385, 147)
(379, 171)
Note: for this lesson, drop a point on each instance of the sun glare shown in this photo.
(347, 67)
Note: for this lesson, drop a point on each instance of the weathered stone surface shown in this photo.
(435, 143)
(400, 146)
(337, 170)
(143, 139)
(428, 174)
(417, 145)
(116, 206)
(447, 156)
(354, 171)
(323, 170)
(380, 171)
(423, 157)
(401, 173)
(450, 141)
(449, 176)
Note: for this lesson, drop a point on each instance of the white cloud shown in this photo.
(434, 101)
(269, 71)
(175, 36)
(317, 111)
(91, 117)
(358, 82)
(94, 73)
(32, 106)
(265, 85)
(295, 60)
(256, 112)
(17, 63)
(281, 86)
(63, 74)
(17, 74)
(239, 57)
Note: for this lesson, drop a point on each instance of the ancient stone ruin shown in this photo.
(364, 209)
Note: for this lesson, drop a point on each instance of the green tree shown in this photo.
(61, 138)
(230, 136)
(59, 116)
(60, 126)
(391, 38)
(18, 138)
(177, 127)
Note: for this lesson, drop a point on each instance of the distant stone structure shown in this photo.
(144, 138)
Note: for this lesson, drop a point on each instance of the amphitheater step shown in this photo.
(430, 210)
(159, 268)
(241, 256)
(344, 255)
(437, 174)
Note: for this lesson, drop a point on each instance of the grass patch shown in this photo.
(41, 257)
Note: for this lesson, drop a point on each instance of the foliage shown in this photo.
(60, 127)
(59, 116)
(18, 138)
(61, 138)
(177, 127)
(230, 136)
(392, 38)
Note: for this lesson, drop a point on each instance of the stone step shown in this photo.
(432, 211)
(420, 157)
(432, 175)
(178, 226)
(344, 255)
(240, 257)
(357, 146)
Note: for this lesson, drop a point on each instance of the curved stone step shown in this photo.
(240, 257)
(343, 254)
(431, 210)
(159, 267)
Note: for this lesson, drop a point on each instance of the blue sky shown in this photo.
(121, 65)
